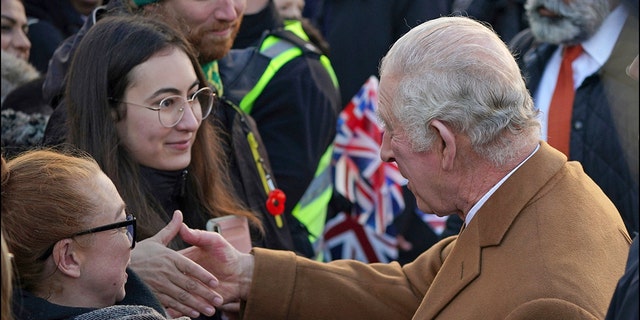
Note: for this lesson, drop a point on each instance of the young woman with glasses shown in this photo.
(136, 99)
(71, 239)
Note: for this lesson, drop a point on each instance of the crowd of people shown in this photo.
(137, 122)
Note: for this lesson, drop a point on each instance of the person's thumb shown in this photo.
(198, 238)
(170, 230)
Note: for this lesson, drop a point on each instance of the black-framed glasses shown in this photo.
(171, 109)
(129, 223)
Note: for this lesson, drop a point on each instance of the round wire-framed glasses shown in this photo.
(171, 109)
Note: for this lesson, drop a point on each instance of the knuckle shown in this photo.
(183, 296)
(186, 269)
(191, 285)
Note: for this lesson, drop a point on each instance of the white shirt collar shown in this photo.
(601, 44)
(486, 196)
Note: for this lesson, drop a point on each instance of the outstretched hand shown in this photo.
(233, 269)
(181, 285)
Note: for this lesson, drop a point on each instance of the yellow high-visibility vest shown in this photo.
(311, 210)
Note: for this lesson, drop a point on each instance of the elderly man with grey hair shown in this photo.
(460, 124)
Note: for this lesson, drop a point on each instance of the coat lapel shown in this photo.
(488, 228)
(460, 268)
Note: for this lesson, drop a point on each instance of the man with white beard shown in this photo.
(600, 127)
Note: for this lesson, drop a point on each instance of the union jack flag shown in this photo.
(374, 187)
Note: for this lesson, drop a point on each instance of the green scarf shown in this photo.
(213, 75)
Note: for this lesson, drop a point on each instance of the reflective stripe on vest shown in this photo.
(311, 210)
(296, 27)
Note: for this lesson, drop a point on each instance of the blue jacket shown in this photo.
(624, 304)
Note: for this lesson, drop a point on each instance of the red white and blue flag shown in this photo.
(374, 187)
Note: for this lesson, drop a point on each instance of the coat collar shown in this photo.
(489, 227)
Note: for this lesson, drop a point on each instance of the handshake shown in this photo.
(210, 274)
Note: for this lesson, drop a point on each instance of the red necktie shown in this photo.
(561, 107)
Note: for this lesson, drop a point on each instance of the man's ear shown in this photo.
(448, 146)
(66, 258)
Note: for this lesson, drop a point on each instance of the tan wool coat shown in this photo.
(548, 244)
